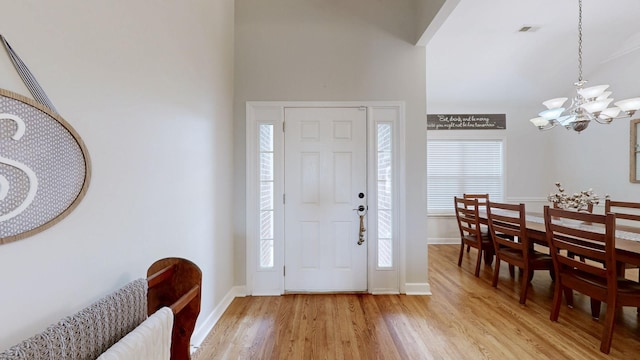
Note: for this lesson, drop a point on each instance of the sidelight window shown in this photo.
(385, 195)
(267, 224)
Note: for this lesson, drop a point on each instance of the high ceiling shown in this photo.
(479, 56)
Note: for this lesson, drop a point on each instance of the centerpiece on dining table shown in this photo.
(582, 201)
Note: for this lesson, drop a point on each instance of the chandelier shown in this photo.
(589, 104)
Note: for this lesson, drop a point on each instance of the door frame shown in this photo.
(270, 281)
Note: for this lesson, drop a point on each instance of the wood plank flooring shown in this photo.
(465, 318)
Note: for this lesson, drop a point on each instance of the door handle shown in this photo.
(362, 230)
(362, 211)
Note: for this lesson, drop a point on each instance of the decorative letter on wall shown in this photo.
(44, 167)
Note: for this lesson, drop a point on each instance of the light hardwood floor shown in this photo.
(465, 318)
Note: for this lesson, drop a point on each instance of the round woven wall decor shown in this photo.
(44, 167)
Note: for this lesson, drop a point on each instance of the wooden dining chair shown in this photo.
(567, 230)
(629, 213)
(508, 229)
(482, 206)
(471, 233)
(624, 210)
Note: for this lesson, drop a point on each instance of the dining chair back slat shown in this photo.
(623, 209)
(482, 205)
(509, 225)
(469, 221)
(482, 198)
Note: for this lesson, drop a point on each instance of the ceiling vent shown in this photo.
(528, 28)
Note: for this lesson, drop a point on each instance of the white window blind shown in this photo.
(455, 167)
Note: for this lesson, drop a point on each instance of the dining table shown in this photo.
(627, 237)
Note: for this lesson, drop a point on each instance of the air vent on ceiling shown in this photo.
(528, 28)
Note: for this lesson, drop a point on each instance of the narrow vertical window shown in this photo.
(385, 195)
(266, 196)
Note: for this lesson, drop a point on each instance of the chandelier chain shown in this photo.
(579, 41)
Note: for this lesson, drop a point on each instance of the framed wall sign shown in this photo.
(466, 122)
(44, 167)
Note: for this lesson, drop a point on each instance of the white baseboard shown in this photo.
(384, 292)
(203, 330)
(417, 289)
(441, 241)
(268, 293)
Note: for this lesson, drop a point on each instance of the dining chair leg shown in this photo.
(595, 308)
(557, 300)
(512, 270)
(526, 275)
(568, 295)
(461, 253)
(488, 257)
(478, 261)
(468, 248)
(496, 273)
(607, 332)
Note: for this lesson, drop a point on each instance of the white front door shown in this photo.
(325, 181)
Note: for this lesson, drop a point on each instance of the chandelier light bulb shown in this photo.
(539, 122)
(551, 113)
(596, 106)
(592, 92)
(605, 95)
(554, 103)
(610, 113)
(629, 105)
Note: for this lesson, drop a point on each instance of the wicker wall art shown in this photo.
(44, 165)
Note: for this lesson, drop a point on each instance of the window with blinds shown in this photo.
(455, 167)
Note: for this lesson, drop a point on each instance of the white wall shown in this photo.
(318, 50)
(148, 85)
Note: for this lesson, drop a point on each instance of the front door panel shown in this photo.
(325, 181)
